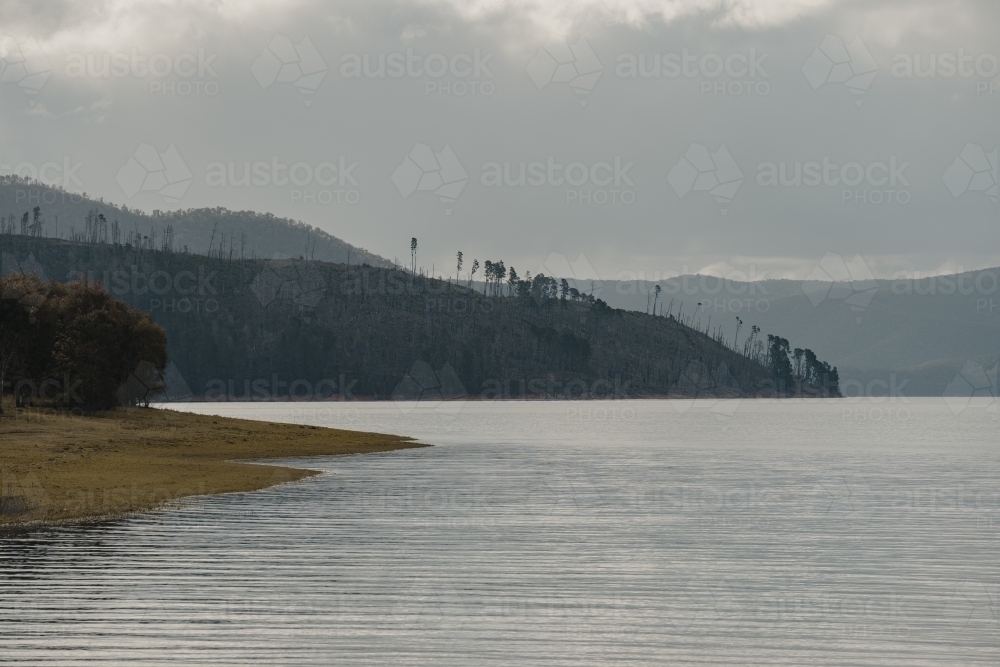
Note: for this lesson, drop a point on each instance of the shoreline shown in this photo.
(59, 469)
(505, 399)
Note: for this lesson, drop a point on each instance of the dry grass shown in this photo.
(60, 467)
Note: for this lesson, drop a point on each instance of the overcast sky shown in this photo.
(657, 137)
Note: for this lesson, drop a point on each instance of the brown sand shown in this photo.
(60, 467)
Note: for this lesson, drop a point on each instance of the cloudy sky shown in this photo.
(651, 137)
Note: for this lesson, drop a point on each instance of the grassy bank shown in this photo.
(57, 467)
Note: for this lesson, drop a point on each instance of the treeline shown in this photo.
(73, 346)
(240, 328)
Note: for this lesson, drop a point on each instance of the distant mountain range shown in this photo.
(255, 234)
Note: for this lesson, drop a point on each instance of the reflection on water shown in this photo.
(621, 533)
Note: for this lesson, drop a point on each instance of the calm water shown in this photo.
(632, 532)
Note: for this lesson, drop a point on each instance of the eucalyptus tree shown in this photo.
(488, 274)
(511, 281)
(499, 273)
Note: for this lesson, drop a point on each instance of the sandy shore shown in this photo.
(58, 467)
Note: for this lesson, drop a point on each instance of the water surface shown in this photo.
(555, 533)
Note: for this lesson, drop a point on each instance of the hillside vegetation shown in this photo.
(251, 329)
(239, 233)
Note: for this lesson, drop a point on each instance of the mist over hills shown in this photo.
(254, 234)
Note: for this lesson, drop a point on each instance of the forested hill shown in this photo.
(255, 329)
(65, 215)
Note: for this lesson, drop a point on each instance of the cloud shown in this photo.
(561, 15)
(651, 122)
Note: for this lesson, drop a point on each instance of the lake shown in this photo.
(836, 532)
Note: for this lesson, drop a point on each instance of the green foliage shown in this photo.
(73, 344)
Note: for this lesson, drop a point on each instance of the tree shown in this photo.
(89, 345)
(511, 281)
(488, 271)
(36, 224)
(500, 272)
(781, 367)
(413, 255)
(798, 367)
(16, 315)
(458, 269)
(656, 297)
(472, 274)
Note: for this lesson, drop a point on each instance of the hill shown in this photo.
(241, 233)
(251, 329)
